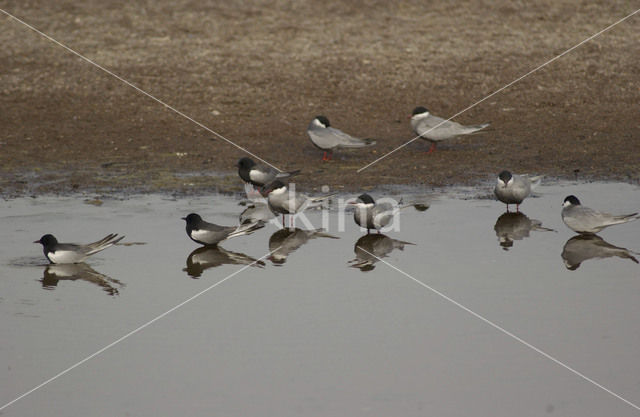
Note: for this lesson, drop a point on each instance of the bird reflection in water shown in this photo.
(516, 226)
(206, 257)
(584, 247)
(285, 241)
(369, 248)
(81, 271)
(256, 212)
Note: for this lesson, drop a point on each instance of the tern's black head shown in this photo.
(505, 176)
(419, 110)
(573, 200)
(47, 240)
(366, 199)
(192, 219)
(245, 163)
(273, 185)
(323, 120)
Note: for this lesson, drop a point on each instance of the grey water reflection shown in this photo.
(584, 247)
(516, 226)
(71, 272)
(206, 257)
(336, 342)
(287, 240)
(369, 248)
(256, 212)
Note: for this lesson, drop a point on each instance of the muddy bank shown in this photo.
(258, 75)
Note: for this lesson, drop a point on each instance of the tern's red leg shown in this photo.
(432, 148)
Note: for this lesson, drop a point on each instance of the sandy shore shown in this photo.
(258, 72)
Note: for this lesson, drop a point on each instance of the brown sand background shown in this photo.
(257, 72)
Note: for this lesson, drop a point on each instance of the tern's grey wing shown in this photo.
(383, 214)
(212, 227)
(287, 204)
(331, 138)
(73, 247)
(211, 234)
(585, 220)
(436, 128)
(534, 181)
(522, 185)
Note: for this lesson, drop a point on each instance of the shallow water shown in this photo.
(318, 327)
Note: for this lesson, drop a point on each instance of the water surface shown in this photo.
(321, 327)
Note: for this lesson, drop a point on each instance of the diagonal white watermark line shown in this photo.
(130, 84)
(132, 332)
(503, 330)
(503, 88)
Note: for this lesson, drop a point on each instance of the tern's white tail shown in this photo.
(104, 243)
(357, 143)
(321, 198)
(535, 181)
(624, 218)
(475, 128)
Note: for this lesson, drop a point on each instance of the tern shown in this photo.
(328, 138)
(436, 129)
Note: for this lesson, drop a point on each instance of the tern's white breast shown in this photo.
(65, 257)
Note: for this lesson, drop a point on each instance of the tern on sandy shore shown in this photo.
(208, 234)
(424, 125)
(260, 174)
(72, 253)
(513, 189)
(584, 220)
(327, 138)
